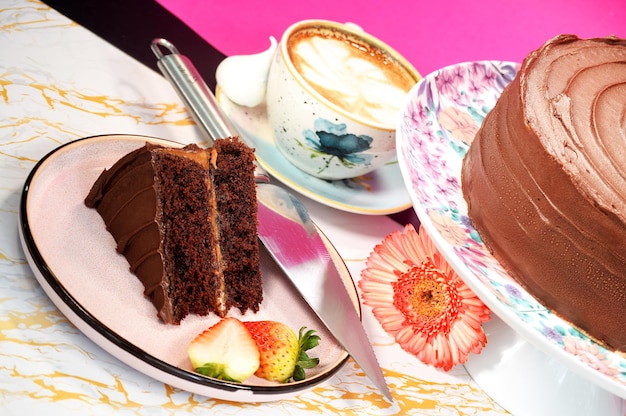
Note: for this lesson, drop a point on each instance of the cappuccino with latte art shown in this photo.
(351, 73)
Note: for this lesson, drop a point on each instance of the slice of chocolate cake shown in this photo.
(185, 219)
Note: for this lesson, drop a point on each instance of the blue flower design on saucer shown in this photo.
(329, 139)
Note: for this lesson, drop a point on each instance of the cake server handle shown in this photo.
(196, 95)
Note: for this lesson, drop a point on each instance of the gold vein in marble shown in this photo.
(99, 105)
(18, 17)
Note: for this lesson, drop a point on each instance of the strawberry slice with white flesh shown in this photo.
(226, 351)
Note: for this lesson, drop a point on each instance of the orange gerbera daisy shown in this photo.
(421, 301)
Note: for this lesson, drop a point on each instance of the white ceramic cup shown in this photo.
(333, 95)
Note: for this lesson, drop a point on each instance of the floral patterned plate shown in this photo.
(381, 192)
(441, 116)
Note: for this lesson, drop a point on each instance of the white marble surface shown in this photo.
(58, 83)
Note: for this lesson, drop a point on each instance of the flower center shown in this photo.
(427, 299)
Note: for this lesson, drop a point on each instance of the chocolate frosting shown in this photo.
(545, 182)
(125, 198)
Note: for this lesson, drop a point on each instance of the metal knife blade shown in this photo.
(285, 228)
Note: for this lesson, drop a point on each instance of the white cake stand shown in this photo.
(526, 381)
(526, 366)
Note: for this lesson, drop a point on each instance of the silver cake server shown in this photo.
(285, 228)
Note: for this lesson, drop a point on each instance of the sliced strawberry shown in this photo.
(226, 351)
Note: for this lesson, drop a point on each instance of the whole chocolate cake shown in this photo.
(545, 182)
(185, 219)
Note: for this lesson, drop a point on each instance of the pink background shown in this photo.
(429, 34)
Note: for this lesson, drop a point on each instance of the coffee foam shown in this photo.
(350, 73)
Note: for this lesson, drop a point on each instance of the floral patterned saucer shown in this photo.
(381, 192)
(441, 117)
